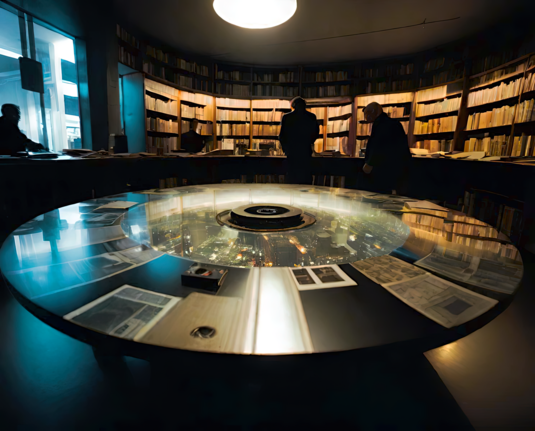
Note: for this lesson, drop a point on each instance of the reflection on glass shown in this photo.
(346, 230)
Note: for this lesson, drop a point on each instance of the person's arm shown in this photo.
(377, 149)
(283, 135)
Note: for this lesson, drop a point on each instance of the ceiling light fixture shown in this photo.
(255, 13)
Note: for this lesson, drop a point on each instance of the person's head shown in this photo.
(195, 125)
(11, 112)
(372, 111)
(299, 104)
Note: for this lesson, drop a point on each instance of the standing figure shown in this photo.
(299, 131)
(387, 161)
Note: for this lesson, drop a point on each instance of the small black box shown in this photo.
(204, 277)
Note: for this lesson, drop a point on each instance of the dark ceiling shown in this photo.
(318, 32)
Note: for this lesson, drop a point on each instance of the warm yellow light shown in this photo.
(255, 13)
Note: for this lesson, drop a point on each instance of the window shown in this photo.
(53, 118)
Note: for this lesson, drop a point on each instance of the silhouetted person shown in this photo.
(12, 140)
(192, 141)
(388, 157)
(299, 131)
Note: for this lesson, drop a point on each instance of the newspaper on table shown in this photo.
(320, 277)
(125, 312)
(444, 302)
(94, 220)
(476, 271)
(387, 269)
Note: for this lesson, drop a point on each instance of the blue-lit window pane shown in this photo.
(56, 53)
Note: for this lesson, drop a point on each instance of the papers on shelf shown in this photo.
(446, 303)
(387, 269)
(476, 271)
(125, 312)
(123, 205)
(320, 277)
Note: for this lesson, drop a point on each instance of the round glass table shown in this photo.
(266, 269)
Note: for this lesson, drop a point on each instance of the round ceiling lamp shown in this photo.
(255, 13)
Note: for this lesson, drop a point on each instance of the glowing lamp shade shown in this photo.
(255, 13)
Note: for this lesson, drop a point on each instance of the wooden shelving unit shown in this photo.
(275, 85)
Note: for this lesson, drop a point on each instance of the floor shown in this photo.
(50, 381)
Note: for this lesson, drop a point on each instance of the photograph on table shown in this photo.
(320, 277)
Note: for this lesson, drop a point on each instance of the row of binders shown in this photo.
(174, 61)
(523, 146)
(158, 88)
(337, 144)
(499, 92)
(165, 107)
(329, 76)
(497, 117)
(524, 112)
(436, 125)
(159, 125)
(401, 69)
(529, 83)
(318, 112)
(268, 116)
(497, 75)
(338, 126)
(385, 99)
(233, 129)
(233, 103)
(127, 58)
(205, 129)
(275, 91)
(271, 104)
(199, 99)
(394, 111)
(446, 105)
(492, 146)
(338, 111)
(329, 91)
(233, 89)
(266, 130)
(198, 112)
(229, 115)
(277, 77)
(432, 93)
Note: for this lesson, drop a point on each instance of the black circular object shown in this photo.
(267, 210)
(203, 332)
(265, 218)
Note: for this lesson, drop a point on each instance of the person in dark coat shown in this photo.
(12, 140)
(299, 131)
(387, 160)
(192, 141)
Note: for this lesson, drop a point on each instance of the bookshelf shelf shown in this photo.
(494, 104)
(157, 132)
(162, 114)
(497, 81)
(429, 135)
(438, 99)
(274, 83)
(190, 103)
(345, 132)
(341, 117)
(200, 120)
(502, 66)
(527, 95)
(438, 115)
(490, 129)
(161, 94)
